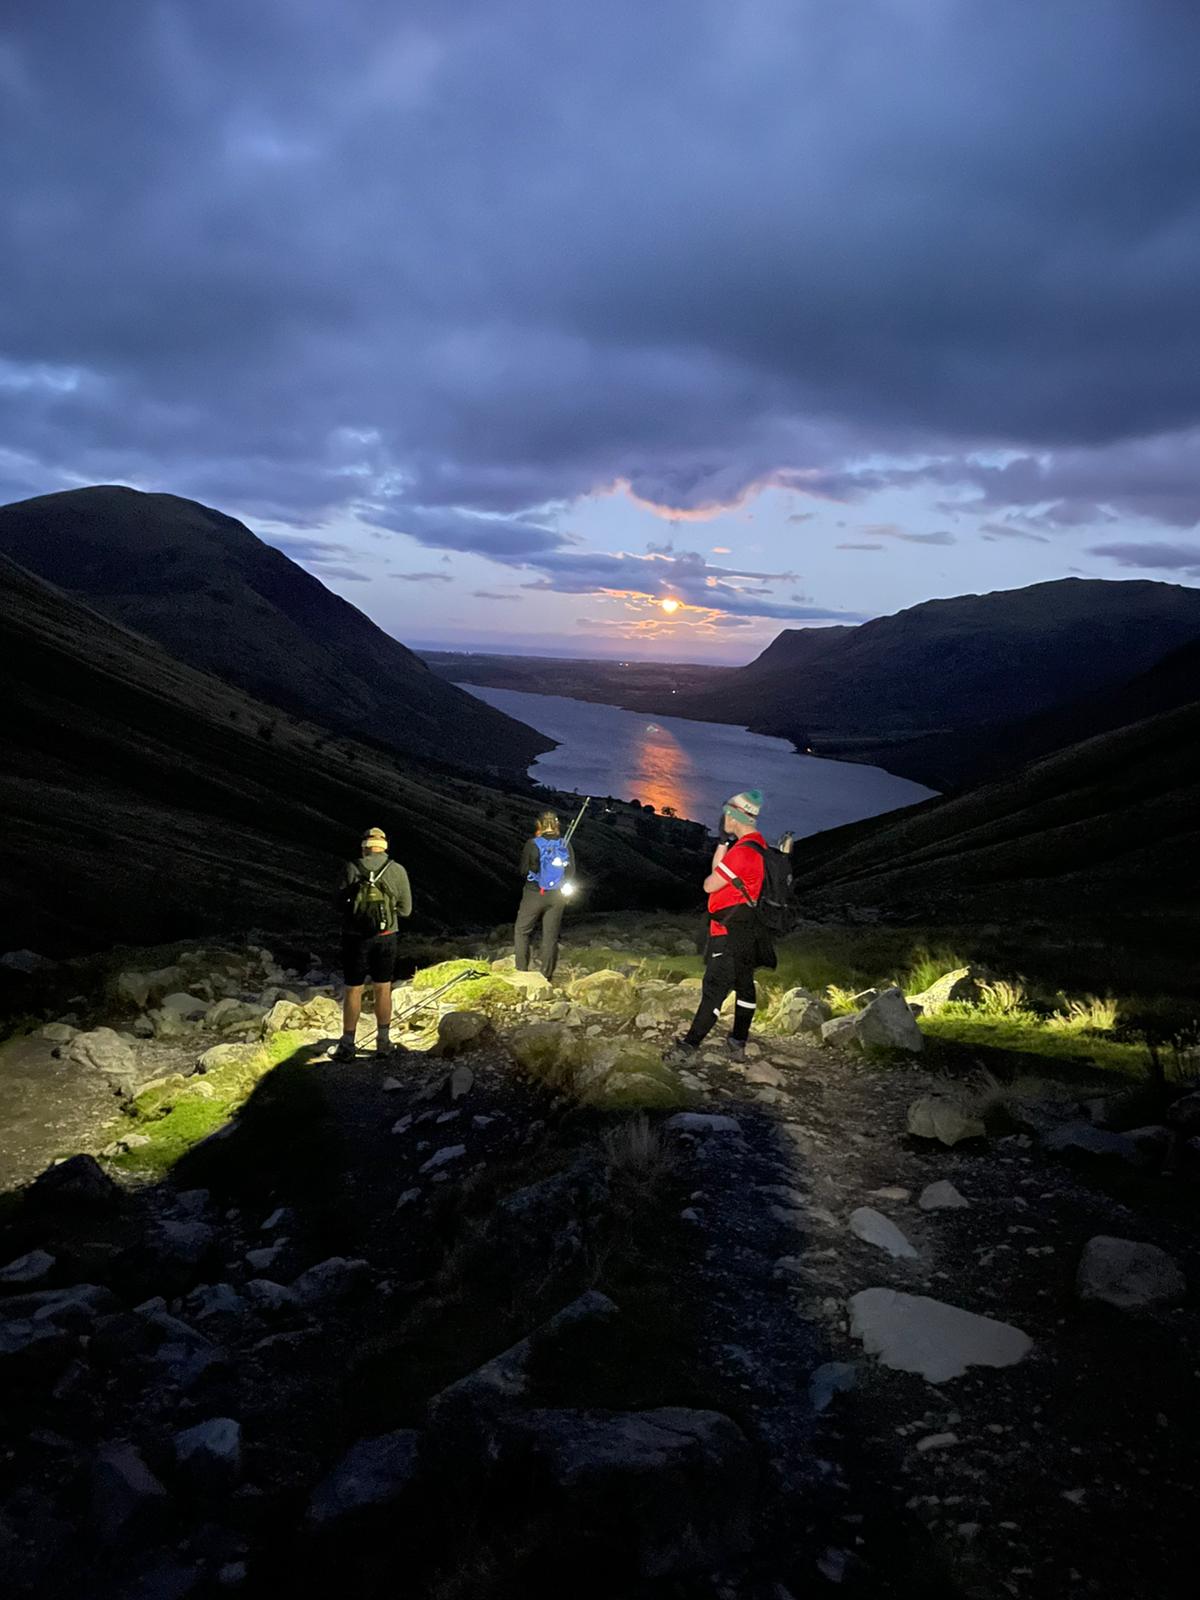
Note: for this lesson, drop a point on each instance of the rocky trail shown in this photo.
(522, 1312)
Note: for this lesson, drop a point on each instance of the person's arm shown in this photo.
(716, 878)
(401, 889)
(345, 884)
(529, 859)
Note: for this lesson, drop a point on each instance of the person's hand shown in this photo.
(719, 854)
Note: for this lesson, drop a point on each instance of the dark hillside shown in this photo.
(954, 664)
(145, 801)
(1103, 832)
(214, 595)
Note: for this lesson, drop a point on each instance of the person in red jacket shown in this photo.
(733, 887)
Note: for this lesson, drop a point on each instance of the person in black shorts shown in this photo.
(374, 893)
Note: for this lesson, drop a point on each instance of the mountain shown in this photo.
(217, 597)
(1105, 832)
(978, 754)
(947, 665)
(145, 801)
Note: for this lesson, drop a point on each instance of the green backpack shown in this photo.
(373, 907)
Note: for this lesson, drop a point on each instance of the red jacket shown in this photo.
(738, 862)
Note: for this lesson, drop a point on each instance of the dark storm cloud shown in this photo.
(1184, 558)
(432, 260)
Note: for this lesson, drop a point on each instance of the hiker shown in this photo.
(547, 866)
(735, 936)
(374, 893)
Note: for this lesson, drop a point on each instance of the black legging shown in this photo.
(729, 965)
(547, 909)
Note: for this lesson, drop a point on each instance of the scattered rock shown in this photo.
(460, 1082)
(77, 1180)
(373, 1473)
(28, 1269)
(936, 1441)
(188, 1241)
(962, 984)
(798, 1011)
(702, 1122)
(605, 991)
(913, 1333)
(933, 1117)
(941, 1196)
(834, 1377)
(187, 1007)
(839, 1030)
(105, 1052)
(210, 1454)
(1128, 1274)
(763, 1072)
(874, 1228)
(892, 1191)
(531, 982)
(463, 1030)
(58, 1032)
(330, 1281)
(271, 1297)
(1082, 1139)
(887, 1024)
(442, 1157)
(1184, 1114)
(127, 1499)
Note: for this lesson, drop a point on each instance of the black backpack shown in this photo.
(372, 905)
(775, 909)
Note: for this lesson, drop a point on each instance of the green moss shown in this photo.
(178, 1114)
(434, 977)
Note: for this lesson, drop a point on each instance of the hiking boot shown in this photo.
(679, 1051)
(344, 1052)
(736, 1047)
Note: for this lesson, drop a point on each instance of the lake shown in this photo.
(694, 767)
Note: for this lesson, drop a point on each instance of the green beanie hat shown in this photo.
(746, 806)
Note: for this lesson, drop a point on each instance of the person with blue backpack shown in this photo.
(547, 870)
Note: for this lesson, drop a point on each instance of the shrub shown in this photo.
(1090, 1015)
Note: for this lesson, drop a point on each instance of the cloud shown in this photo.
(889, 530)
(426, 259)
(858, 547)
(347, 574)
(492, 594)
(1009, 530)
(422, 577)
(1183, 558)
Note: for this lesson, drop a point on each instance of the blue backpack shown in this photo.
(553, 860)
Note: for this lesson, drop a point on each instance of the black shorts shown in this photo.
(374, 956)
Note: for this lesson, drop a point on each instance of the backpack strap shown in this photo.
(737, 883)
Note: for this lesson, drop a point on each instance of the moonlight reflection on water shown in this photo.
(693, 767)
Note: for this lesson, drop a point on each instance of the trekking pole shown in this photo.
(434, 993)
(578, 819)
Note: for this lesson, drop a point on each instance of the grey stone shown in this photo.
(1184, 1114)
(834, 1377)
(461, 1082)
(462, 1030)
(1128, 1274)
(25, 961)
(266, 1295)
(839, 1030)
(1152, 1144)
(873, 1227)
(941, 1196)
(653, 1493)
(58, 1032)
(913, 1333)
(104, 1051)
(210, 1453)
(963, 984)
(442, 1157)
(265, 1257)
(763, 1072)
(373, 1473)
(887, 1024)
(28, 1347)
(330, 1281)
(77, 1306)
(189, 1241)
(702, 1122)
(31, 1268)
(215, 1300)
(187, 1007)
(1081, 1139)
(933, 1117)
(127, 1499)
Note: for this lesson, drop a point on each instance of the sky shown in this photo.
(514, 320)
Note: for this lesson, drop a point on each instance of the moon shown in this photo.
(669, 605)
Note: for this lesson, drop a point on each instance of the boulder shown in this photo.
(605, 991)
(1184, 1114)
(28, 1269)
(443, 1157)
(77, 1306)
(834, 1377)
(940, 1196)
(229, 1013)
(26, 961)
(77, 1180)
(463, 1030)
(546, 1050)
(1081, 1140)
(530, 982)
(209, 1455)
(762, 1072)
(319, 1015)
(330, 1281)
(702, 1122)
(227, 1055)
(1128, 1274)
(933, 1117)
(886, 1023)
(127, 1499)
(962, 984)
(104, 1051)
(644, 1494)
(839, 1030)
(873, 1227)
(913, 1333)
(797, 1011)
(58, 1032)
(372, 1474)
(187, 1007)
